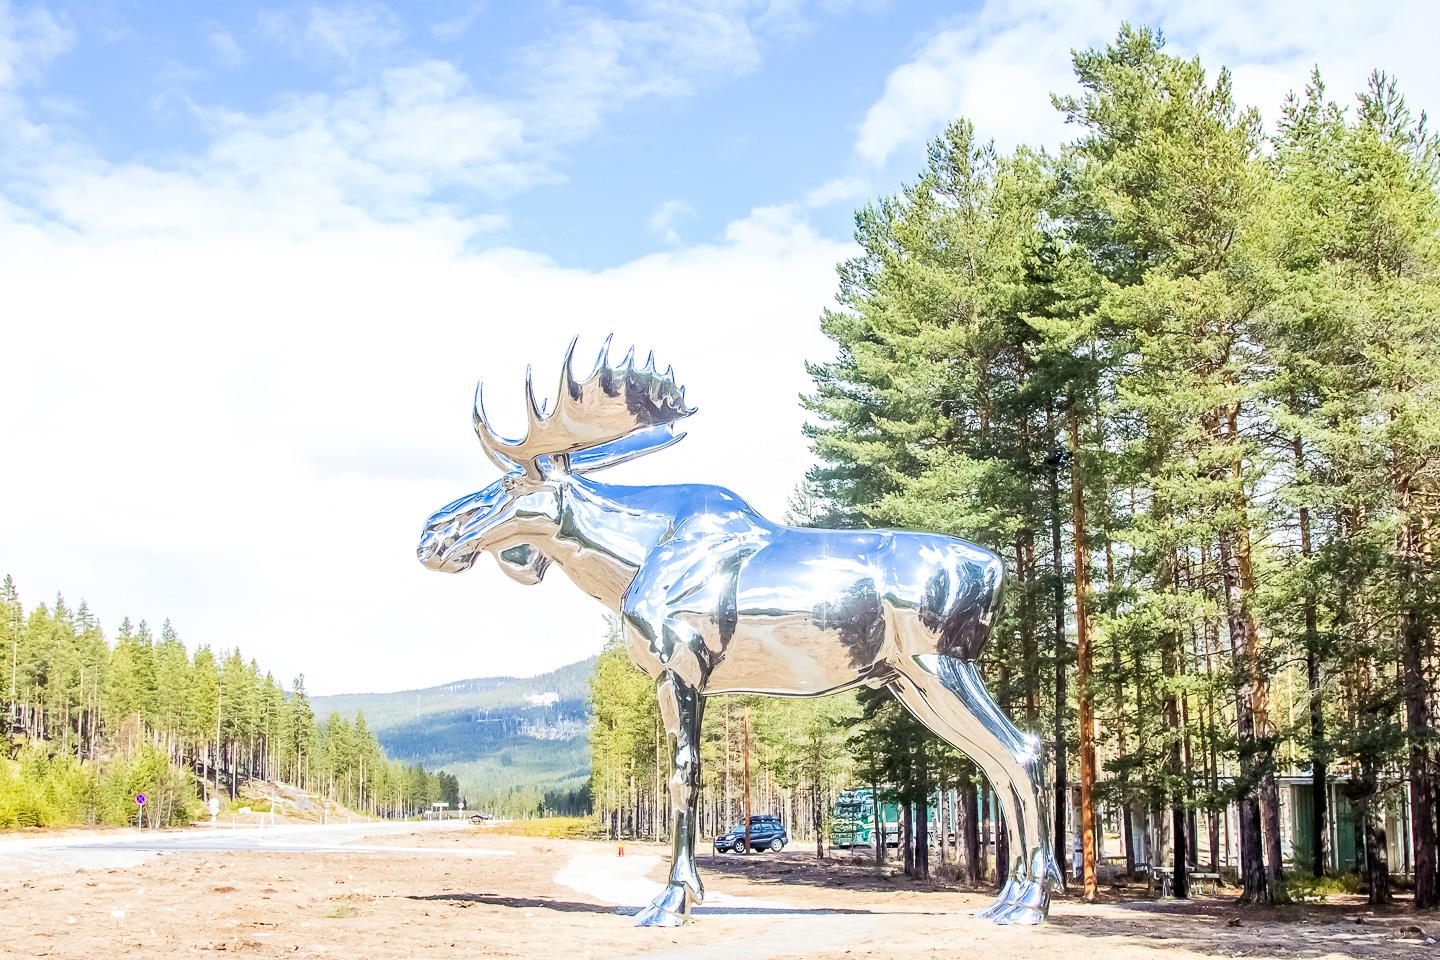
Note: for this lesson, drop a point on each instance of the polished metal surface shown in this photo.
(713, 598)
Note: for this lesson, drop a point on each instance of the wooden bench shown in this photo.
(1202, 880)
(1164, 877)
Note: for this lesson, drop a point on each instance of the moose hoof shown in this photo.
(1004, 900)
(1018, 916)
(1054, 879)
(1028, 904)
(670, 909)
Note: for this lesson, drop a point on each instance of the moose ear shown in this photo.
(523, 563)
(626, 448)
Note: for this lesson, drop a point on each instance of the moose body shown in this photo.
(714, 598)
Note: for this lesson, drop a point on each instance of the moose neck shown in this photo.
(604, 534)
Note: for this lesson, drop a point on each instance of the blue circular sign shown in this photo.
(140, 799)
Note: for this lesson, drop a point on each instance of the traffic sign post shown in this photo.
(140, 810)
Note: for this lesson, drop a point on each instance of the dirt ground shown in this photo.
(428, 898)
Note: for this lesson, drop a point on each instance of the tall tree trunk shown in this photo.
(985, 795)
(922, 810)
(877, 832)
(1377, 858)
(1083, 657)
(907, 847)
(1127, 817)
(1210, 632)
(1062, 787)
(941, 827)
(970, 829)
(1260, 716)
(1025, 573)
(1252, 864)
(1316, 703)
(1181, 883)
(1418, 720)
(819, 812)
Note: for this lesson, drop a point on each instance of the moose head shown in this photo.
(616, 413)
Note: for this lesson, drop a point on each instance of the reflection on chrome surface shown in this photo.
(714, 598)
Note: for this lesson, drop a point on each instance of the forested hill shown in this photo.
(511, 741)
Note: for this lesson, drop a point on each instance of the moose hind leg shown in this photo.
(681, 707)
(947, 695)
(941, 723)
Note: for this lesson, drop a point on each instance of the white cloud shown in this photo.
(28, 40)
(839, 190)
(595, 63)
(999, 66)
(662, 221)
(458, 25)
(226, 47)
(255, 425)
(391, 136)
(344, 32)
(257, 361)
(313, 162)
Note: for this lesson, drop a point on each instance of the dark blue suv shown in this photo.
(766, 833)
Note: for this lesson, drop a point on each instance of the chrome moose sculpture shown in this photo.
(713, 598)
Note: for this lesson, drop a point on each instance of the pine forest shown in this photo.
(92, 723)
(1183, 373)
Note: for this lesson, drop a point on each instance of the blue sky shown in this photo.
(766, 113)
(253, 259)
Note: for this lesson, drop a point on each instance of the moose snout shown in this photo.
(429, 550)
(432, 552)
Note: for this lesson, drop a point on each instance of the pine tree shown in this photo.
(1358, 334)
(1170, 194)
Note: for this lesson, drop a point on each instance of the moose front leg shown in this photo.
(680, 709)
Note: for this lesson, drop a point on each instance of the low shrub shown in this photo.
(1302, 886)
(40, 789)
(553, 828)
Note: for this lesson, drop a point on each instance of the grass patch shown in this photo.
(342, 912)
(241, 803)
(1302, 886)
(553, 828)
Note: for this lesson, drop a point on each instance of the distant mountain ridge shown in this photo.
(509, 740)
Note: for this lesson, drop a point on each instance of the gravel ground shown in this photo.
(472, 893)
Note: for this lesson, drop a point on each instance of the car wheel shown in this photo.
(777, 844)
(739, 847)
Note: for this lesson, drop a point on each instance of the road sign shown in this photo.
(140, 799)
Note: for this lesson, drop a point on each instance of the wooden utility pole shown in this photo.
(745, 752)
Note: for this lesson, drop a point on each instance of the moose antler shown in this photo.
(590, 418)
